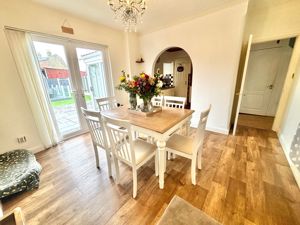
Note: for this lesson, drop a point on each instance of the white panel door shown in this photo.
(181, 78)
(259, 84)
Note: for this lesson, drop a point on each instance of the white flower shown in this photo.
(159, 84)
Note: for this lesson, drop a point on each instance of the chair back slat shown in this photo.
(157, 101)
(174, 102)
(96, 127)
(120, 135)
(107, 103)
(198, 141)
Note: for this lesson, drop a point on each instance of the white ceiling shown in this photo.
(159, 13)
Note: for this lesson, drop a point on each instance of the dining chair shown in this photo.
(99, 135)
(174, 102)
(190, 147)
(157, 101)
(133, 152)
(107, 103)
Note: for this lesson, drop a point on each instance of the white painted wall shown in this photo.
(15, 114)
(277, 21)
(213, 43)
(291, 121)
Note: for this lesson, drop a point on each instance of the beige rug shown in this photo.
(180, 212)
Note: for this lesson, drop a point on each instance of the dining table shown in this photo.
(159, 126)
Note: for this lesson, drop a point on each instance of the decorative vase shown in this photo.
(147, 105)
(132, 101)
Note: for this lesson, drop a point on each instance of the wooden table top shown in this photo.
(159, 122)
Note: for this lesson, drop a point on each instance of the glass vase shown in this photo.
(147, 105)
(132, 101)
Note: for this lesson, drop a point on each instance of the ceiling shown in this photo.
(159, 13)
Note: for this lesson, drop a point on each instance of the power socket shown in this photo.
(21, 140)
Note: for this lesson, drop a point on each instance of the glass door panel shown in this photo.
(93, 76)
(56, 77)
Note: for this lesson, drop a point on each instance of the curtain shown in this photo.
(21, 47)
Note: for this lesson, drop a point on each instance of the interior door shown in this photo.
(181, 78)
(261, 77)
(240, 94)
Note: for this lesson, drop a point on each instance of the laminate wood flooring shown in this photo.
(245, 180)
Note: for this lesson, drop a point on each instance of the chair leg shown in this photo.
(199, 158)
(173, 156)
(108, 162)
(156, 163)
(169, 155)
(134, 176)
(165, 162)
(193, 171)
(116, 162)
(96, 155)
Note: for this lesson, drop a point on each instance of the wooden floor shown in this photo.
(256, 121)
(245, 180)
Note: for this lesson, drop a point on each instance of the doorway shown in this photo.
(265, 76)
(74, 75)
(176, 66)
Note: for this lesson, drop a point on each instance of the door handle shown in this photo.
(271, 86)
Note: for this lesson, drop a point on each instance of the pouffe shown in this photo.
(19, 171)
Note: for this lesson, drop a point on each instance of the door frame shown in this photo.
(287, 86)
(70, 46)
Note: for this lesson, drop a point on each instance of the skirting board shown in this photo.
(213, 129)
(36, 149)
(286, 150)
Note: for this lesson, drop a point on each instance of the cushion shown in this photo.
(180, 143)
(19, 171)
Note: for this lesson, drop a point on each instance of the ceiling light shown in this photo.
(130, 12)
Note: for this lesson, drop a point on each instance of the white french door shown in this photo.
(74, 74)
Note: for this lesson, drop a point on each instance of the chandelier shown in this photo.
(129, 12)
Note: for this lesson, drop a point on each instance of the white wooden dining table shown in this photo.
(159, 126)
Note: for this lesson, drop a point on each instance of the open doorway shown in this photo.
(263, 83)
(176, 66)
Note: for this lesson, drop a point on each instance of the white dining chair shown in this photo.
(174, 102)
(99, 136)
(190, 147)
(133, 152)
(107, 103)
(157, 101)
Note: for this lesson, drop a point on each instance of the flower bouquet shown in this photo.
(145, 86)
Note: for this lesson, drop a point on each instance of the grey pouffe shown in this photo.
(19, 171)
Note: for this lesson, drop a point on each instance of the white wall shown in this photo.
(291, 121)
(274, 22)
(15, 114)
(213, 43)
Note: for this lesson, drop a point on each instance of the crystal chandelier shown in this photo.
(129, 12)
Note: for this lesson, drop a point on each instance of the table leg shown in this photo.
(161, 146)
(187, 127)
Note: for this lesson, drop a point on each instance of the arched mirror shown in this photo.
(176, 66)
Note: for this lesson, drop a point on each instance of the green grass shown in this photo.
(68, 101)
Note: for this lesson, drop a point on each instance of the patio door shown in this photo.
(74, 74)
